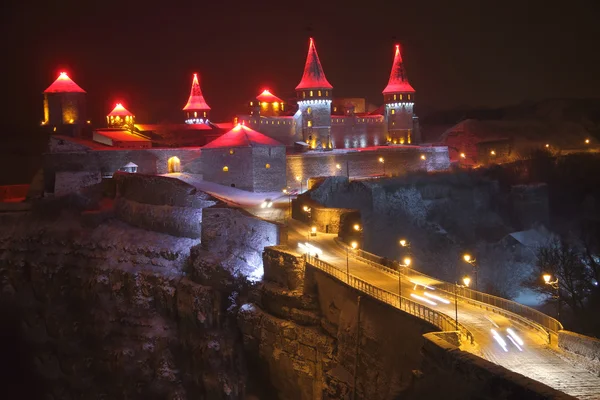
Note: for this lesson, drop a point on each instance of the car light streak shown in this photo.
(438, 298)
(420, 284)
(492, 321)
(513, 342)
(423, 299)
(514, 336)
(313, 249)
(499, 339)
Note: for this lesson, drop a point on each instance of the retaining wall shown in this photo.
(579, 344)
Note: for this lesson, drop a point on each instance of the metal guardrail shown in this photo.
(436, 318)
(530, 316)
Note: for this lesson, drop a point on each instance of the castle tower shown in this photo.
(314, 102)
(120, 117)
(267, 104)
(399, 98)
(64, 106)
(196, 109)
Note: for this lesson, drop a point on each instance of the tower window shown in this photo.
(226, 169)
(204, 114)
(311, 93)
(308, 110)
(309, 124)
(393, 111)
(267, 166)
(400, 97)
(195, 114)
(231, 151)
(327, 93)
(409, 96)
(395, 97)
(334, 109)
(303, 95)
(319, 93)
(251, 103)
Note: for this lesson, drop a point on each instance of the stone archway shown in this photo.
(174, 165)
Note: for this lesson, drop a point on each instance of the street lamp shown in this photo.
(471, 260)
(403, 242)
(554, 284)
(354, 245)
(407, 262)
(381, 160)
(466, 281)
(357, 227)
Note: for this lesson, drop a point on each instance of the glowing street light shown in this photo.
(493, 152)
(338, 167)
(407, 261)
(462, 155)
(471, 260)
(403, 242)
(423, 157)
(356, 227)
(547, 145)
(354, 245)
(587, 141)
(382, 161)
(554, 283)
(466, 281)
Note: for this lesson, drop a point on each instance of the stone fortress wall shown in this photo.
(363, 163)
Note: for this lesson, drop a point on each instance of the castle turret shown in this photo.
(120, 117)
(314, 102)
(399, 98)
(267, 104)
(196, 110)
(64, 106)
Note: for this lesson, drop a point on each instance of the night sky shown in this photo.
(143, 53)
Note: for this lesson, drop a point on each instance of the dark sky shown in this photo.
(143, 53)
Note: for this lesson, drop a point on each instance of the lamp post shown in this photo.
(466, 281)
(354, 245)
(299, 179)
(382, 160)
(554, 284)
(471, 260)
(407, 262)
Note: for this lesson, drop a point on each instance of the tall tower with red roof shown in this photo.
(64, 106)
(399, 99)
(196, 109)
(314, 94)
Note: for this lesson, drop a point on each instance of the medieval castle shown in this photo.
(318, 124)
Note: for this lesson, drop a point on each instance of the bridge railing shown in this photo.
(540, 320)
(441, 320)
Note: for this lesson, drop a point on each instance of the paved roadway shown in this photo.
(537, 360)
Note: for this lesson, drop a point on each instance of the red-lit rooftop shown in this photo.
(120, 111)
(64, 84)
(398, 82)
(242, 136)
(268, 97)
(196, 100)
(313, 77)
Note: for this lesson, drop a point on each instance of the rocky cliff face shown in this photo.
(119, 312)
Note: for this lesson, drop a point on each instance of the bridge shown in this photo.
(529, 348)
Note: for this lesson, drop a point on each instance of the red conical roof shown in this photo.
(242, 136)
(314, 77)
(398, 81)
(120, 111)
(268, 97)
(196, 100)
(64, 84)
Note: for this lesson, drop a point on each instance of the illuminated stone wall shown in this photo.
(223, 167)
(316, 124)
(357, 132)
(269, 169)
(365, 163)
(399, 123)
